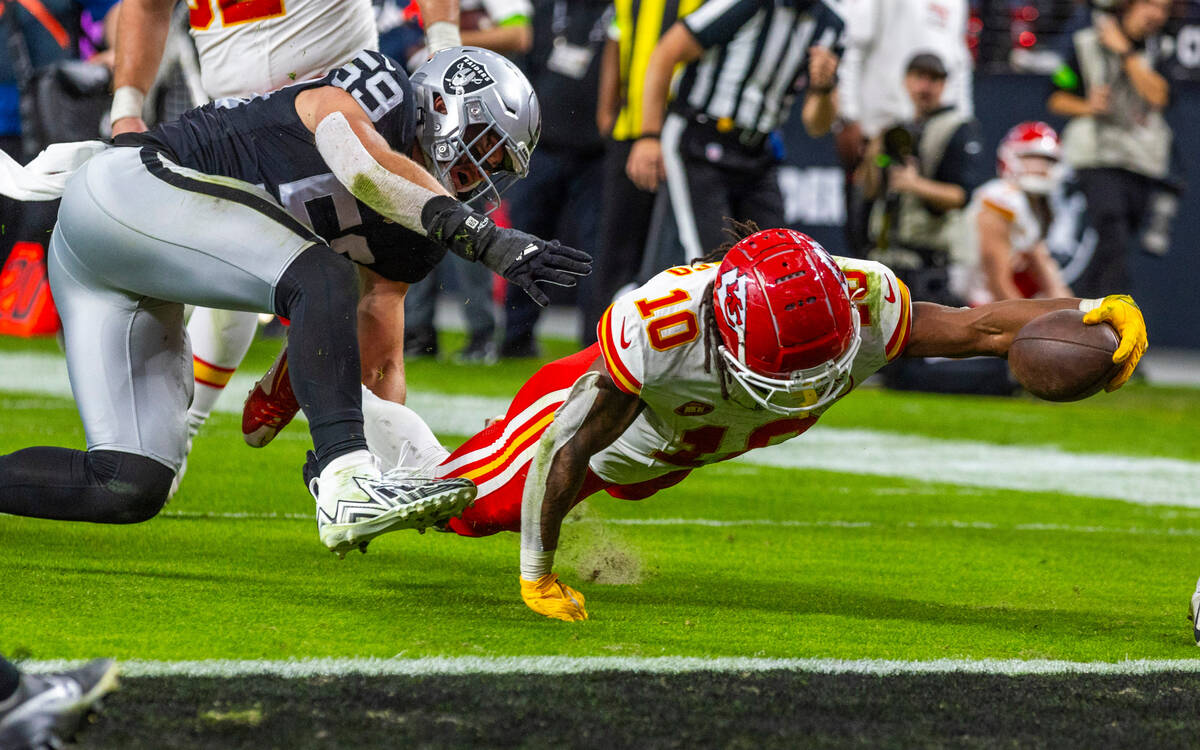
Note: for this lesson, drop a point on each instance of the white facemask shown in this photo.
(1037, 184)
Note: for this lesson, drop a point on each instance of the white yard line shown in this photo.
(565, 665)
(1146, 481)
(46, 374)
(752, 522)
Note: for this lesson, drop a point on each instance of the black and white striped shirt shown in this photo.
(755, 52)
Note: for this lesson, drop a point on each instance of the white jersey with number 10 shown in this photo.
(652, 342)
(256, 46)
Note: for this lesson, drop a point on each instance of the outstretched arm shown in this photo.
(988, 330)
(594, 415)
(400, 189)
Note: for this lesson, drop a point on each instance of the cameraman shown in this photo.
(919, 175)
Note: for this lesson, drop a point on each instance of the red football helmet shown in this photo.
(1030, 139)
(788, 331)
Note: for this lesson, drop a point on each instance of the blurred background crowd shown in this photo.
(984, 149)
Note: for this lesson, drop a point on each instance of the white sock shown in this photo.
(220, 340)
(359, 461)
(398, 436)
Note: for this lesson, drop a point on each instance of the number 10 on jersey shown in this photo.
(668, 330)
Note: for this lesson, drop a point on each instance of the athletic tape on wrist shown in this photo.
(442, 35)
(127, 102)
(567, 421)
(1087, 305)
(386, 192)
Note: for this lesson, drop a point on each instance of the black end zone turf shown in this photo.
(615, 710)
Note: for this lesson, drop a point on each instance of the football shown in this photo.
(1058, 358)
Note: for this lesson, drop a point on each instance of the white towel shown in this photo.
(45, 178)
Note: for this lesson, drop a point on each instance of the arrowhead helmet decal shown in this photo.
(731, 298)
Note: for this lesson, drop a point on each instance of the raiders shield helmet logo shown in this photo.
(466, 76)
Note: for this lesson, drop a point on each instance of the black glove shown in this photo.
(519, 257)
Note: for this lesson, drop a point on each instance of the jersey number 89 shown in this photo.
(368, 79)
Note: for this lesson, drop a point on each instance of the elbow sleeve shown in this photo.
(385, 192)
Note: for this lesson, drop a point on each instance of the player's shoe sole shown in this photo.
(1194, 614)
(56, 713)
(446, 499)
(270, 405)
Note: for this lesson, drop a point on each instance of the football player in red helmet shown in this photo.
(1029, 155)
(742, 349)
(1009, 217)
(788, 331)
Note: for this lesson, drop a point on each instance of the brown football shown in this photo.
(1058, 358)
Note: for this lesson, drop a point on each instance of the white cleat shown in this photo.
(355, 503)
(1194, 613)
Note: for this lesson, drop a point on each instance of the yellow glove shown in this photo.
(1122, 312)
(550, 597)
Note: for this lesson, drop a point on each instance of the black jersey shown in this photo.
(261, 140)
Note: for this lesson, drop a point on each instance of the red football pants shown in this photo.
(497, 459)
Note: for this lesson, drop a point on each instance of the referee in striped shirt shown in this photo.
(745, 61)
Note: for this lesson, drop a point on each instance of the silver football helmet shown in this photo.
(478, 122)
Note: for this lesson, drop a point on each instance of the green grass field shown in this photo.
(824, 564)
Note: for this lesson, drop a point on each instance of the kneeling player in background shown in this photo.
(1009, 217)
(744, 349)
(1005, 257)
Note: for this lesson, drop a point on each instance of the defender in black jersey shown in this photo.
(244, 205)
(263, 141)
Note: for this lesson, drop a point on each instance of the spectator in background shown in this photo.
(502, 26)
(1112, 88)
(44, 39)
(743, 58)
(1007, 222)
(561, 195)
(626, 211)
(918, 176)
(881, 37)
